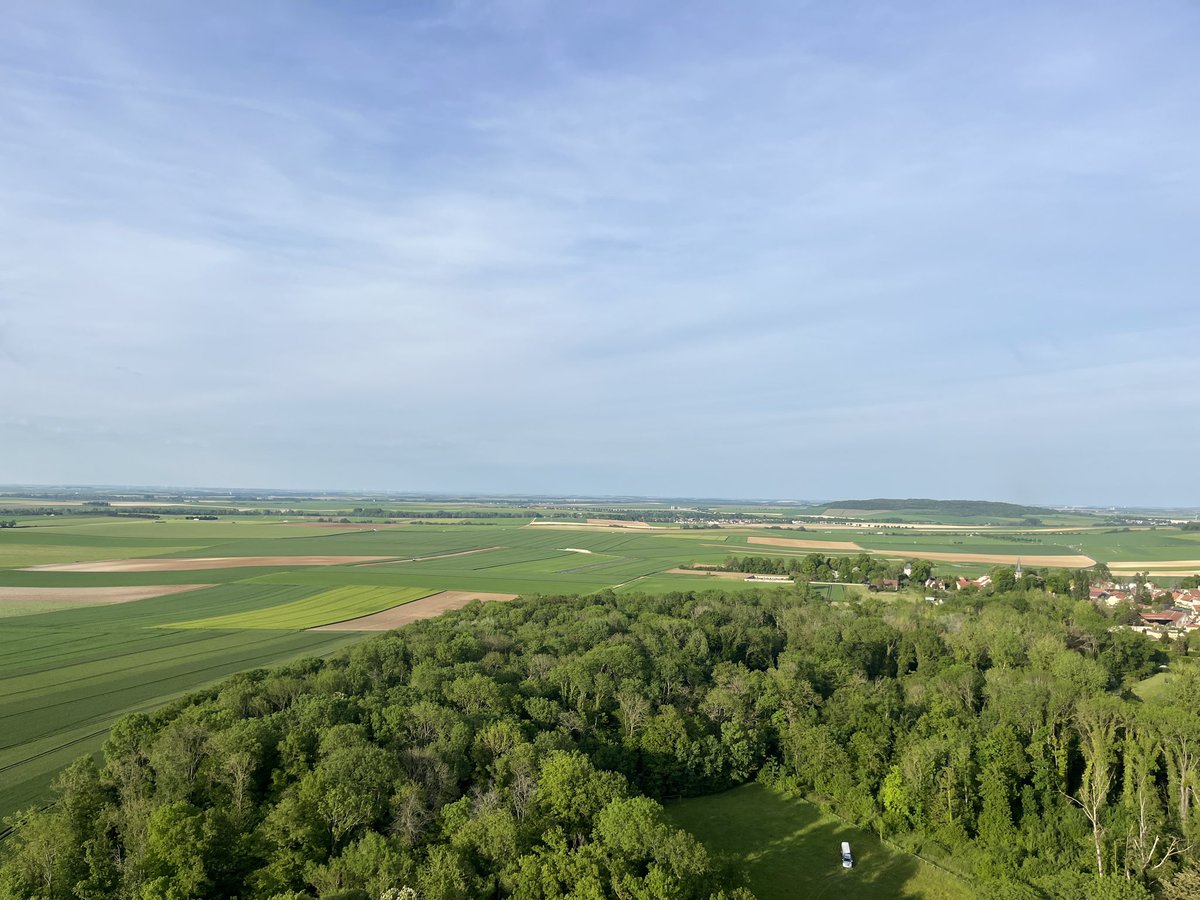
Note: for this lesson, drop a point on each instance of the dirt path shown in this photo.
(90, 595)
(158, 564)
(593, 524)
(708, 573)
(732, 576)
(395, 561)
(407, 613)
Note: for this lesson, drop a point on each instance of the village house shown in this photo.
(1168, 618)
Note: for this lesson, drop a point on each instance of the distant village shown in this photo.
(1163, 611)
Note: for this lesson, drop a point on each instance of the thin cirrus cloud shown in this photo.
(793, 250)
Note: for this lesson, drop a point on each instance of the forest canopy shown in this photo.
(524, 750)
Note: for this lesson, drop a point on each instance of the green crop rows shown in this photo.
(329, 606)
(69, 668)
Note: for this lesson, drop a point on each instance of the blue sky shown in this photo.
(784, 250)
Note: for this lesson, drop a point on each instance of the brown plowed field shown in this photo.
(842, 546)
(205, 562)
(407, 613)
(97, 595)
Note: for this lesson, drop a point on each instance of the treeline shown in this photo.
(89, 510)
(693, 517)
(522, 750)
(866, 568)
(946, 507)
(861, 569)
(104, 509)
(378, 512)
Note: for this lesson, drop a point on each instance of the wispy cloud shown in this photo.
(798, 250)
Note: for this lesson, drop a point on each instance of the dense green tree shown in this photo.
(521, 750)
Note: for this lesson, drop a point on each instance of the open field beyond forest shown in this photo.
(101, 615)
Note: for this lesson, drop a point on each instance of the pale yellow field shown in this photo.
(204, 562)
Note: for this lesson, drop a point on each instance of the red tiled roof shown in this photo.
(1167, 617)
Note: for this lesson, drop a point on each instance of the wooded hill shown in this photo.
(522, 750)
(946, 507)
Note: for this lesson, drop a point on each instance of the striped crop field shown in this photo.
(70, 667)
(63, 688)
(324, 608)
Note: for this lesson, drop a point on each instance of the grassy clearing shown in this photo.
(835, 592)
(323, 609)
(789, 848)
(1152, 687)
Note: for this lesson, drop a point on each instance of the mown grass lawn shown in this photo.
(789, 850)
(1154, 686)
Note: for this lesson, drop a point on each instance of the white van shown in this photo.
(847, 859)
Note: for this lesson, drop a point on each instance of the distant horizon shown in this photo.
(14, 488)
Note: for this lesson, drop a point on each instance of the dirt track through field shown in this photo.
(1156, 564)
(159, 564)
(92, 595)
(397, 561)
(407, 613)
(595, 524)
(732, 576)
(843, 546)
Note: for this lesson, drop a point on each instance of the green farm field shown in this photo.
(70, 667)
(336, 605)
(788, 848)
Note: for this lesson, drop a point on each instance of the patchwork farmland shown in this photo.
(103, 615)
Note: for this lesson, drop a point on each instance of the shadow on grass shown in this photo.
(790, 849)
